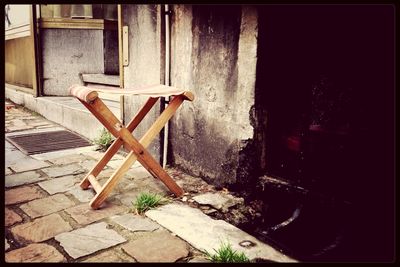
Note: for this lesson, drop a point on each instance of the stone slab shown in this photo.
(116, 161)
(18, 128)
(35, 253)
(13, 156)
(28, 164)
(45, 206)
(118, 157)
(127, 185)
(44, 127)
(88, 164)
(136, 165)
(139, 173)
(37, 124)
(23, 178)
(97, 155)
(94, 154)
(96, 237)
(61, 153)
(199, 260)
(10, 217)
(157, 247)
(106, 256)
(34, 118)
(8, 171)
(84, 214)
(9, 147)
(135, 223)
(127, 198)
(149, 184)
(58, 171)
(82, 195)
(58, 185)
(42, 229)
(18, 122)
(207, 234)
(115, 164)
(106, 173)
(74, 158)
(6, 245)
(21, 194)
(155, 186)
(218, 200)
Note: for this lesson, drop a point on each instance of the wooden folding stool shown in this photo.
(88, 96)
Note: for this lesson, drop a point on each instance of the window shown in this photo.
(17, 21)
(79, 16)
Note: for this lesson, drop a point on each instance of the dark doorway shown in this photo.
(325, 95)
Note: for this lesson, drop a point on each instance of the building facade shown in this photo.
(302, 93)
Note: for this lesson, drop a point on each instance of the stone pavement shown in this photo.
(48, 217)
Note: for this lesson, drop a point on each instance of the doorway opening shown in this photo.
(324, 102)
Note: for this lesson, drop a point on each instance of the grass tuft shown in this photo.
(145, 201)
(225, 254)
(105, 139)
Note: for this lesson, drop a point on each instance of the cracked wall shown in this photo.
(213, 54)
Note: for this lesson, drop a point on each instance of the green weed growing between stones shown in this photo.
(226, 254)
(145, 201)
(105, 140)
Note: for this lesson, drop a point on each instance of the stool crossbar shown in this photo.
(88, 96)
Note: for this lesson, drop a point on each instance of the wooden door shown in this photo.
(20, 48)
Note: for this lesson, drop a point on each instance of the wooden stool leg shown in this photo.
(131, 158)
(118, 142)
(150, 163)
(112, 181)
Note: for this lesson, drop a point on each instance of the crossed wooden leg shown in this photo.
(138, 148)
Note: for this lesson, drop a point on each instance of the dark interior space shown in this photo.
(325, 104)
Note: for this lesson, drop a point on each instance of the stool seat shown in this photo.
(88, 94)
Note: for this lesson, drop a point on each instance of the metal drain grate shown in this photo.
(36, 143)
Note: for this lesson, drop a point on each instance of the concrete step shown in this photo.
(66, 111)
(207, 234)
(100, 78)
(103, 81)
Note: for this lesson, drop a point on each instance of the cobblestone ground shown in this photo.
(48, 218)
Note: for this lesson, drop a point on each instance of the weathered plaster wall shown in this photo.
(213, 54)
(68, 52)
(144, 24)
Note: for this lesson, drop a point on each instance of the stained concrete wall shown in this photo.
(66, 53)
(214, 54)
(145, 61)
